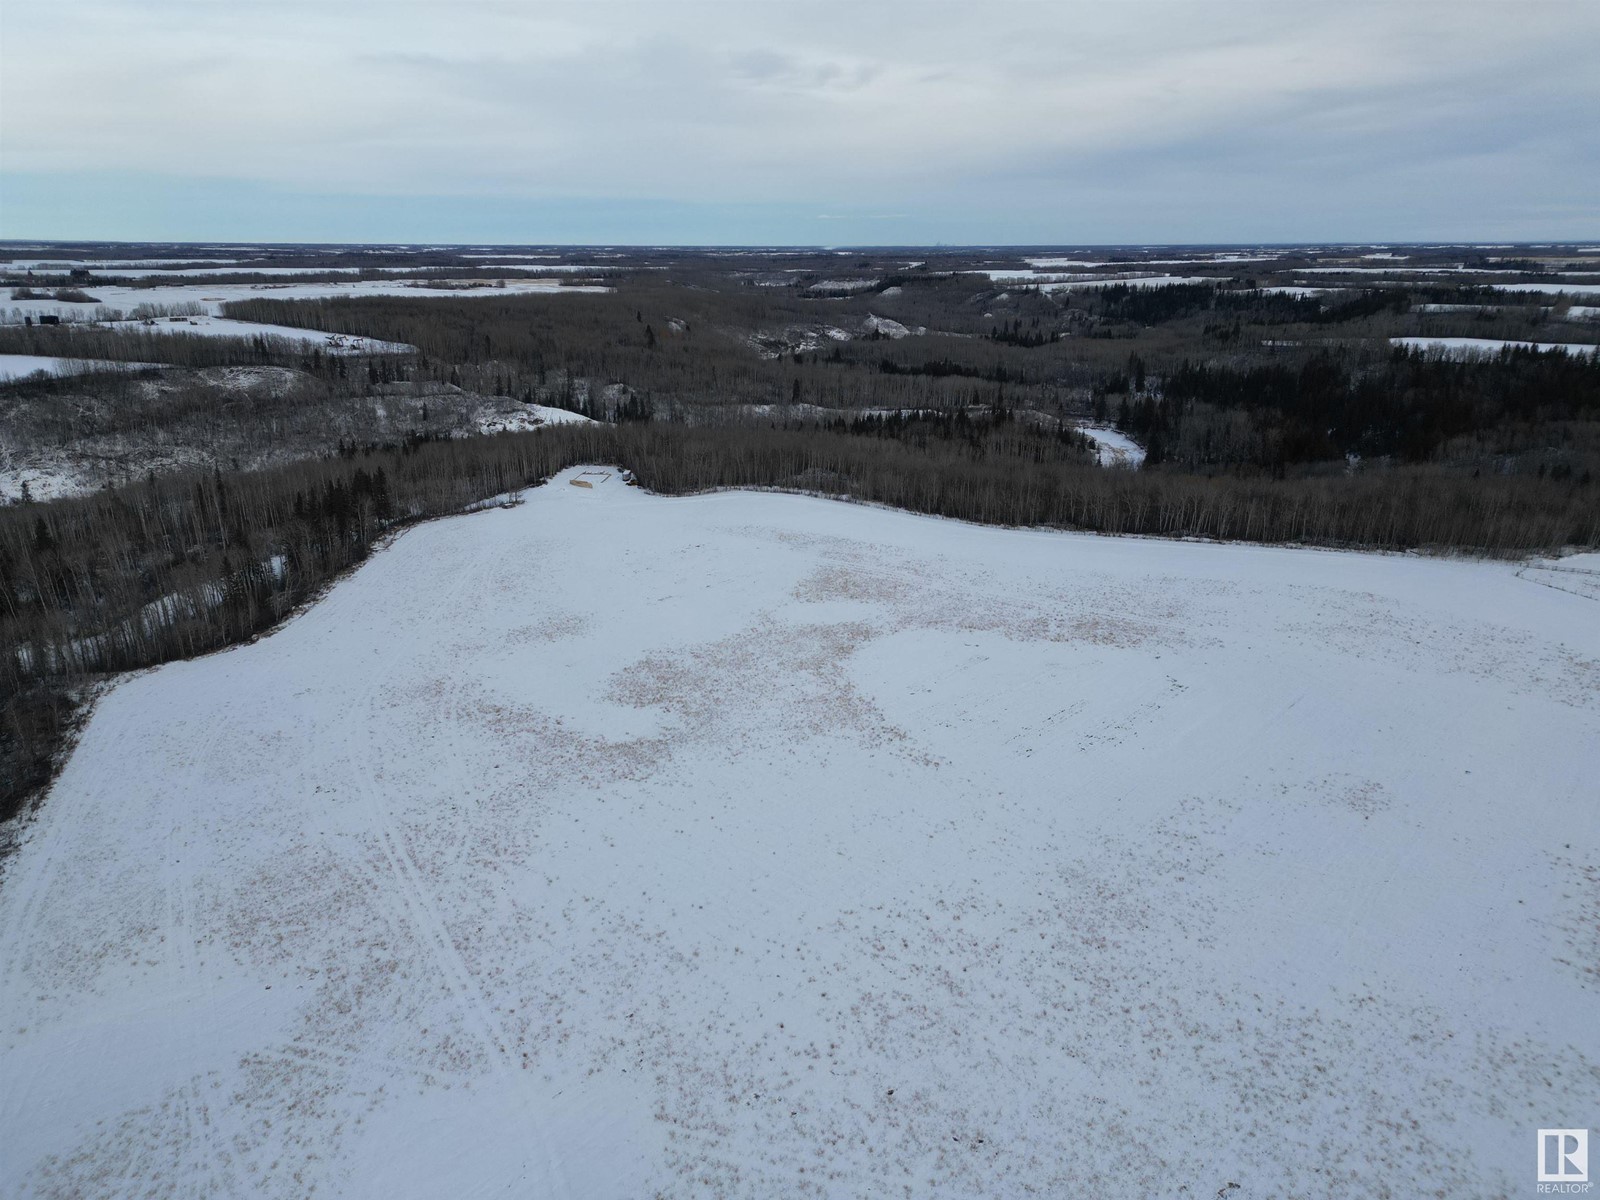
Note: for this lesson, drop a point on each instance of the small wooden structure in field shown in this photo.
(587, 479)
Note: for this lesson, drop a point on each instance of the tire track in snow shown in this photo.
(186, 963)
(23, 888)
(419, 912)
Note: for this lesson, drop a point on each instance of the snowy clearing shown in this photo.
(209, 326)
(1457, 270)
(1302, 292)
(1191, 261)
(20, 366)
(757, 845)
(1047, 282)
(1053, 281)
(213, 296)
(156, 271)
(886, 327)
(1554, 287)
(1143, 281)
(1116, 448)
(60, 266)
(1466, 346)
(843, 285)
(524, 417)
(34, 482)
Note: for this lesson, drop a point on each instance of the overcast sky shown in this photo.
(769, 121)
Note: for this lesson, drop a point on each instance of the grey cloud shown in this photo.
(895, 107)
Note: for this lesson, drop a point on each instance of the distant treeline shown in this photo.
(1175, 301)
(1401, 508)
(989, 433)
(1272, 415)
(185, 564)
(1330, 309)
(675, 346)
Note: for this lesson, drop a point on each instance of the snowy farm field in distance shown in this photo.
(613, 845)
(122, 301)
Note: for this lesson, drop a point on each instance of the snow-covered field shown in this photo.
(1456, 270)
(62, 265)
(1554, 287)
(525, 417)
(1204, 260)
(1055, 281)
(1302, 292)
(155, 268)
(20, 366)
(156, 272)
(1142, 281)
(756, 845)
(1116, 449)
(1462, 346)
(214, 295)
(843, 285)
(205, 325)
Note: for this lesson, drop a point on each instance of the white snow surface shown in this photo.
(41, 483)
(1115, 448)
(1457, 270)
(759, 845)
(843, 285)
(1472, 345)
(63, 265)
(205, 325)
(157, 271)
(214, 295)
(887, 327)
(524, 417)
(1142, 281)
(1553, 287)
(1055, 282)
(1286, 290)
(20, 366)
(432, 272)
(1204, 260)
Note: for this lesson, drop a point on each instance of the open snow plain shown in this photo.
(125, 299)
(758, 845)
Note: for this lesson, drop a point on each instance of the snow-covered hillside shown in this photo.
(1113, 447)
(756, 845)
